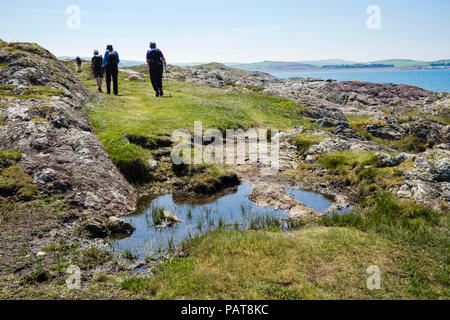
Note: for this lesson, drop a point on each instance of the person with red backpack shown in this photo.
(156, 63)
(111, 62)
(97, 69)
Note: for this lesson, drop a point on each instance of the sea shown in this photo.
(437, 80)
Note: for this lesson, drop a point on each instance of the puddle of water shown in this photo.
(199, 216)
(314, 200)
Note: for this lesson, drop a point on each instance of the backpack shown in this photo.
(154, 58)
(98, 62)
(113, 59)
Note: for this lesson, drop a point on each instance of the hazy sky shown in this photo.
(235, 30)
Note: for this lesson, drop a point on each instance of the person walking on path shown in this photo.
(156, 62)
(111, 62)
(97, 69)
(78, 59)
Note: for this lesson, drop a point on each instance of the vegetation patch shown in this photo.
(420, 230)
(150, 142)
(9, 158)
(129, 158)
(32, 92)
(304, 141)
(14, 182)
(205, 179)
(315, 263)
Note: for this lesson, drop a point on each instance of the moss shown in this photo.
(15, 182)
(38, 120)
(33, 92)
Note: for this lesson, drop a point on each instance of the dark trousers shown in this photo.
(156, 75)
(112, 73)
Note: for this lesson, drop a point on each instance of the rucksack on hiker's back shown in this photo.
(154, 57)
(98, 62)
(113, 59)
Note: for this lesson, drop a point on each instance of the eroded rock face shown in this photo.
(41, 116)
(274, 196)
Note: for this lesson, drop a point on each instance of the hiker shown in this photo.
(97, 69)
(156, 63)
(78, 59)
(111, 62)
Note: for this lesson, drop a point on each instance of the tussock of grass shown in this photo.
(130, 159)
(304, 141)
(158, 215)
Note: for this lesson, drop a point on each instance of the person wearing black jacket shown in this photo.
(111, 62)
(156, 63)
(97, 69)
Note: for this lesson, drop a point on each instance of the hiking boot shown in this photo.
(157, 94)
(100, 90)
(161, 93)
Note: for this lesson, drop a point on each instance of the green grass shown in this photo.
(421, 232)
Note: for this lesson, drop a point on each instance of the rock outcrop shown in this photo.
(348, 96)
(274, 196)
(42, 116)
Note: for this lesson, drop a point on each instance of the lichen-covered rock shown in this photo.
(442, 169)
(42, 116)
(386, 160)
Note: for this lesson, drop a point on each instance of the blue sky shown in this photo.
(235, 31)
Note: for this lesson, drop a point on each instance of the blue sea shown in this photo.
(435, 80)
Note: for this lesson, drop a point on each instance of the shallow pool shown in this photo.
(201, 215)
